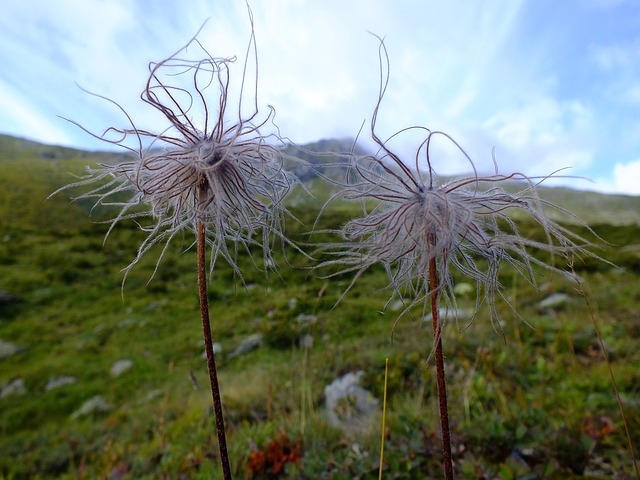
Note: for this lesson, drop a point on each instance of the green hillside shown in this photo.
(533, 402)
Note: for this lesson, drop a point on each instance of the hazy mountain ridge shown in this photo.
(592, 207)
(15, 148)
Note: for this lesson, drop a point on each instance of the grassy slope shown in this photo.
(535, 391)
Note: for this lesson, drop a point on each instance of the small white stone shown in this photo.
(293, 303)
(126, 322)
(306, 341)
(14, 387)
(463, 289)
(307, 318)
(7, 349)
(152, 395)
(94, 404)
(57, 382)
(217, 349)
(120, 367)
(250, 343)
(554, 300)
(347, 404)
(397, 305)
(451, 314)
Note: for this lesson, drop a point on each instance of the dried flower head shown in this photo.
(412, 217)
(210, 164)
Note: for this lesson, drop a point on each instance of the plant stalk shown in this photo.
(442, 385)
(384, 416)
(208, 343)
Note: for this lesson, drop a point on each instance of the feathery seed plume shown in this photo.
(211, 163)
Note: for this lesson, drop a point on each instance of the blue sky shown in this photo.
(549, 84)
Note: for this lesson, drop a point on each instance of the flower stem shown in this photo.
(384, 416)
(442, 385)
(211, 361)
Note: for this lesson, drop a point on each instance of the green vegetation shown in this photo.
(534, 401)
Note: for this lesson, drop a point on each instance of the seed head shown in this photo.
(218, 169)
(412, 217)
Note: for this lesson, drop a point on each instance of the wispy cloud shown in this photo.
(547, 84)
(626, 176)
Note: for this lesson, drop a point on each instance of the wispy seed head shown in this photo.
(411, 218)
(210, 164)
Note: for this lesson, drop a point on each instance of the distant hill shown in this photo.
(321, 155)
(14, 148)
(593, 208)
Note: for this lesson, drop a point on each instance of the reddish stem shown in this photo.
(442, 385)
(211, 361)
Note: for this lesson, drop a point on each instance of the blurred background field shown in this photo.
(100, 381)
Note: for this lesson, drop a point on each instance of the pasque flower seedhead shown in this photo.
(219, 170)
(412, 216)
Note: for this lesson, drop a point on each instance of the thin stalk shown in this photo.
(211, 361)
(442, 385)
(384, 416)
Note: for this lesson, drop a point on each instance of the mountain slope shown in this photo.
(66, 323)
(49, 167)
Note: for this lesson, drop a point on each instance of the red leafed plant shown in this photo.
(598, 428)
(270, 462)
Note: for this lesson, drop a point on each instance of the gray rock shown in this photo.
(554, 301)
(306, 318)
(155, 305)
(217, 349)
(306, 341)
(463, 289)
(13, 387)
(120, 367)
(348, 405)
(7, 349)
(250, 343)
(153, 394)
(127, 322)
(57, 382)
(99, 328)
(94, 404)
(451, 314)
(397, 305)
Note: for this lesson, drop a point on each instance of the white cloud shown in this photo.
(625, 179)
(29, 121)
(544, 135)
(616, 56)
(633, 93)
(473, 71)
(619, 64)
